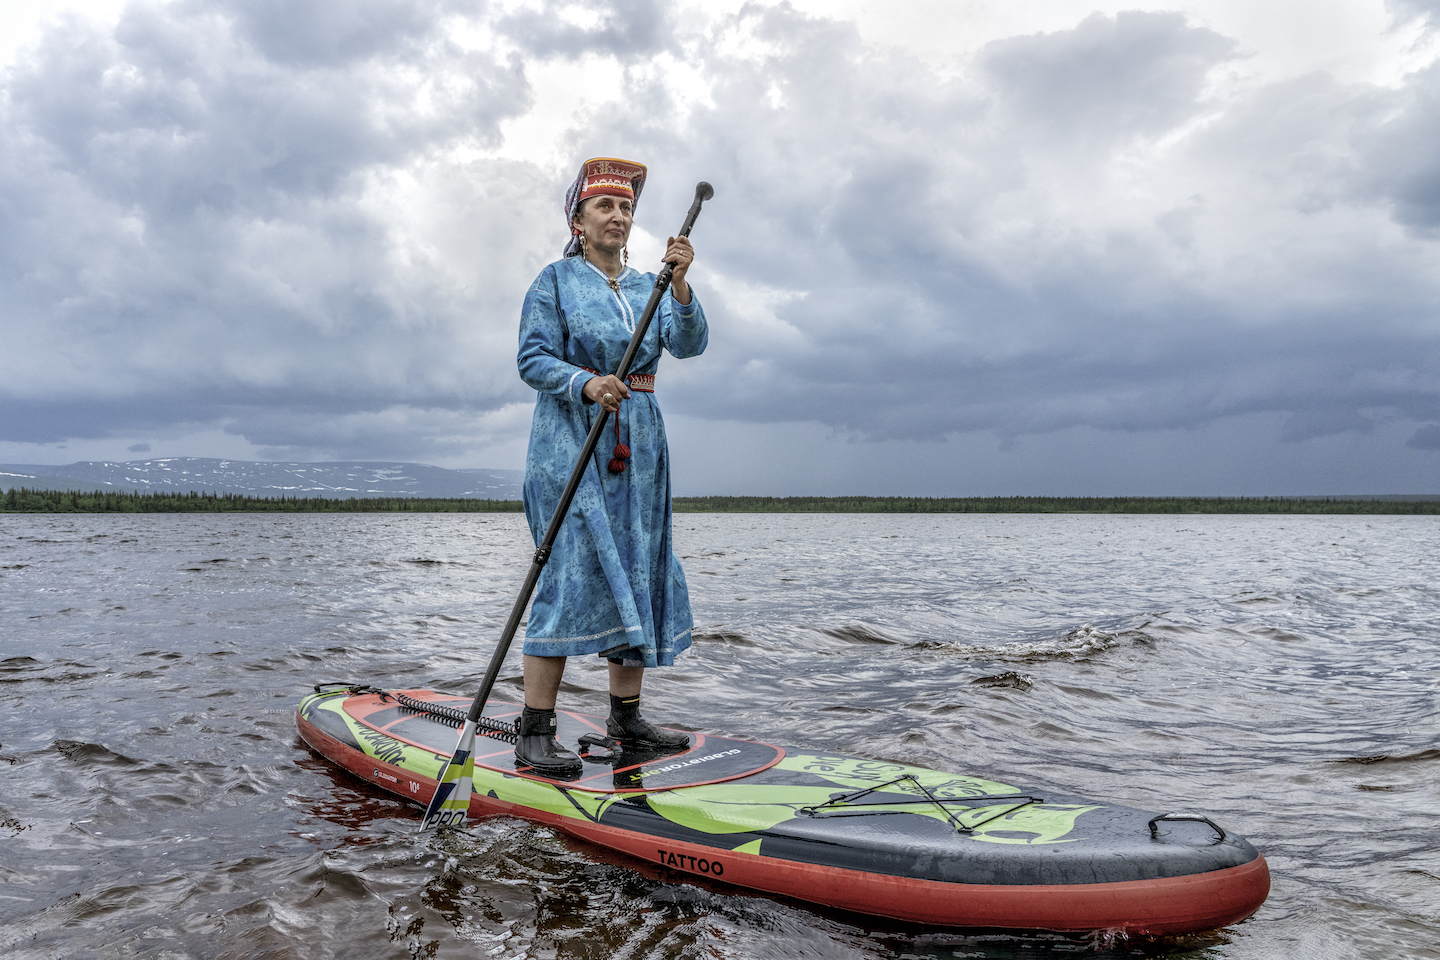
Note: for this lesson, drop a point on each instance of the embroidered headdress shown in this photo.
(602, 175)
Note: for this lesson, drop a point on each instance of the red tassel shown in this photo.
(622, 452)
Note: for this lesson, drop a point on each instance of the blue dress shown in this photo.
(613, 585)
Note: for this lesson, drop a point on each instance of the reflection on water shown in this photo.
(1278, 673)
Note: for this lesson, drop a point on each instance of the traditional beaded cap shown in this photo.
(602, 176)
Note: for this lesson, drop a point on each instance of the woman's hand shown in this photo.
(596, 389)
(681, 254)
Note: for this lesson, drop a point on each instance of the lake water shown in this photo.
(1279, 673)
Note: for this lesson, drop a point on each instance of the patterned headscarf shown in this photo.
(601, 175)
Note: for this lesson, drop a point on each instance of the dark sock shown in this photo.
(537, 747)
(624, 709)
(535, 722)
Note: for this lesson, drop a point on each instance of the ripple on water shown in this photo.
(1276, 673)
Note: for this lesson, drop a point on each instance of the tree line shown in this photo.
(24, 500)
(1050, 505)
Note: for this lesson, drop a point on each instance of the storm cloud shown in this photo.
(206, 216)
(310, 224)
(1072, 234)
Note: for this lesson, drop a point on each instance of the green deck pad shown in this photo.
(539, 795)
(749, 808)
(859, 774)
(735, 807)
(1036, 823)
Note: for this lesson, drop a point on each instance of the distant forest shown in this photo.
(23, 500)
(1047, 505)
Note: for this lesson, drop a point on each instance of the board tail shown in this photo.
(451, 804)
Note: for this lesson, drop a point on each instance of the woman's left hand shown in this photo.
(681, 254)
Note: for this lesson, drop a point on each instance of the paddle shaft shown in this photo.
(703, 192)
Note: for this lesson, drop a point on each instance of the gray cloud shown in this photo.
(1134, 74)
(262, 215)
(973, 253)
(1402, 164)
(312, 33)
(626, 30)
(1404, 10)
(200, 228)
(1426, 438)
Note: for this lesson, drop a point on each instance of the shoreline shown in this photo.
(24, 500)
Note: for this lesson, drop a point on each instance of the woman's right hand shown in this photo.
(596, 388)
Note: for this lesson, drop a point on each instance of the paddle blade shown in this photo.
(451, 803)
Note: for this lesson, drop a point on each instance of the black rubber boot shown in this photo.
(634, 731)
(538, 749)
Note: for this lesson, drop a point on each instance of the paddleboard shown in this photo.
(877, 838)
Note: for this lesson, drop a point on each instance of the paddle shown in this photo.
(451, 803)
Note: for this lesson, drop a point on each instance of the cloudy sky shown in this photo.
(975, 247)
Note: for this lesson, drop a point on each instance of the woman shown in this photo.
(613, 586)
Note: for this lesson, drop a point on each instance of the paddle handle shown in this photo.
(703, 192)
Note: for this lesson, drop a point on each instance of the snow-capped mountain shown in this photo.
(267, 479)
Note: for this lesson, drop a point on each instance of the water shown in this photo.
(1279, 673)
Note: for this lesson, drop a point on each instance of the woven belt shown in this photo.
(643, 382)
(640, 383)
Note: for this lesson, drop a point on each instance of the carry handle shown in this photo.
(1187, 818)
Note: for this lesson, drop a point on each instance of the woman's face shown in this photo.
(605, 222)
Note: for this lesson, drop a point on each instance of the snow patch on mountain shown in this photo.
(339, 480)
